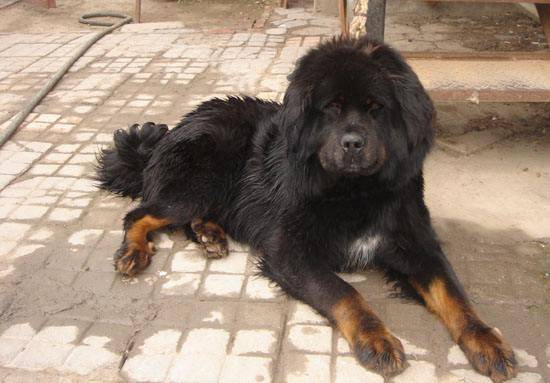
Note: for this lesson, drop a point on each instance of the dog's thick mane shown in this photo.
(414, 112)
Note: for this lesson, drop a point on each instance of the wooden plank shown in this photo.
(484, 80)
(473, 56)
(459, 95)
(376, 19)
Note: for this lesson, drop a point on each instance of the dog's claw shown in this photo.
(130, 259)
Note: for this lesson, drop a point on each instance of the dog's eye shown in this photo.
(333, 107)
(373, 106)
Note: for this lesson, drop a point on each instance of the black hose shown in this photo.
(35, 100)
(5, 5)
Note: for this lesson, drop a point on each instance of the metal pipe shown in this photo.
(137, 11)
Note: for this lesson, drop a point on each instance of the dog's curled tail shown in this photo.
(120, 169)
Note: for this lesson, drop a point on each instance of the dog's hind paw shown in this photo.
(211, 237)
(131, 258)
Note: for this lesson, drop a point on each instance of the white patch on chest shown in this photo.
(361, 251)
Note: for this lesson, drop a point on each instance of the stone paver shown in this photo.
(66, 314)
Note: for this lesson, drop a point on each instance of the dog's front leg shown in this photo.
(436, 283)
(307, 279)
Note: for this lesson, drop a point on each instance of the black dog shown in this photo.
(331, 180)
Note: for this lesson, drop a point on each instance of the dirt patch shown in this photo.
(526, 125)
(460, 26)
(512, 32)
(456, 119)
(467, 129)
(29, 17)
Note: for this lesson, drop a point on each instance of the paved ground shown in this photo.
(66, 316)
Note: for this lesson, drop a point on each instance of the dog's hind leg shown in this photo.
(134, 255)
(211, 237)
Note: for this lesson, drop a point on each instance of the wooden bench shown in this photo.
(478, 76)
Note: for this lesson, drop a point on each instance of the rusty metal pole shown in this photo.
(342, 12)
(137, 11)
(544, 16)
(376, 18)
(51, 4)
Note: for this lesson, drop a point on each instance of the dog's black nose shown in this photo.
(352, 142)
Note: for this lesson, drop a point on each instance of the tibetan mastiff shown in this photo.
(330, 180)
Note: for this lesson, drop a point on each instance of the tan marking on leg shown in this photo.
(453, 313)
(486, 350)
(372, 342)
(137, 233)
(347, 314)
(136, 251)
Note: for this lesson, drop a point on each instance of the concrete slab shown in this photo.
(485, 80)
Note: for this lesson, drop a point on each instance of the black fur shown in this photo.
(119, 170)
(311, 183)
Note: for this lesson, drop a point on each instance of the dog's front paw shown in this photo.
(380, 352)
(488, 353)
(131, 258)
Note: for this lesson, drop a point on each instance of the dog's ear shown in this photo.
(417, 112)
(417, 109)
(296, 110)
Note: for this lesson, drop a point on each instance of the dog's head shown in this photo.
(358, 109)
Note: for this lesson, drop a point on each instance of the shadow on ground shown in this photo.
(505, 273)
